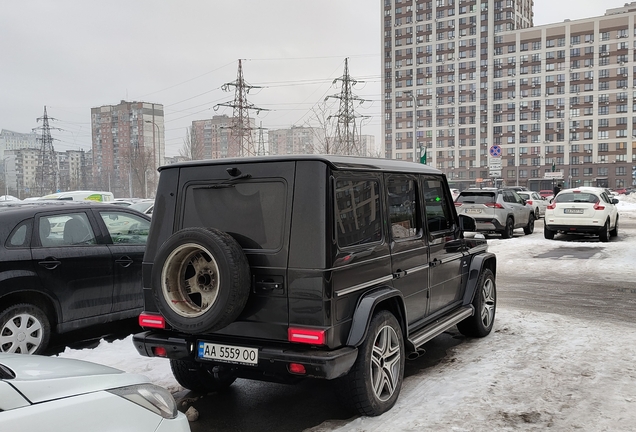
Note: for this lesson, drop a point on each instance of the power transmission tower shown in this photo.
(346, 126)
(241, 127)
(261, 141)
(47, 160)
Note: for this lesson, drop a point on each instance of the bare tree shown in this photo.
(192, 148)
(324, 128)
(138, 172)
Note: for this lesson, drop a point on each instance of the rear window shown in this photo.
(251, 212)
(581, 197)
(476, 197)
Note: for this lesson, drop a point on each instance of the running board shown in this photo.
(438, 327)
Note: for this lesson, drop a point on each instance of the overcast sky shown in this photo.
(72, 55)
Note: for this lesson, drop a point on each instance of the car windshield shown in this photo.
(577, 197)
(476, 197)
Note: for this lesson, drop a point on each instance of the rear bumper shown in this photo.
(592, 229)
(488, 224)
(272, 360)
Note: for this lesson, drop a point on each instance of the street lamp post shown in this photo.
(155, 159)
(410, 93)
(6, 185)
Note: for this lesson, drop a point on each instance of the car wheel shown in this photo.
(199, 377)
(485, 304)
(537, 214)
(508, 229)
(529, 229)
(614, 232)
(604, 235)
(373, 384)
(24, 329)
(200, 280)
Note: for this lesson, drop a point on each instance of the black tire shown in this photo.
(547, 233)
(614, 232)
(485, 304)
(509, 229)
(200, 377)
(200, 280)
(380, 358)
(604, 234)
(537, 215)
(529, 229)
(24, 329)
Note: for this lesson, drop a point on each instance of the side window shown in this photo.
(126, 228)
(21, 235)
(439, 216)
(509, 197)
(517, 198)
(403, 205)
(357, 209)
(65, 229)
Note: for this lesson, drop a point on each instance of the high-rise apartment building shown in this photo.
(296, 140)
(128, 147)
(10, 140)
(559, 95)
(213, 138)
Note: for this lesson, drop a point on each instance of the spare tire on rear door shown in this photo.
(200, 280)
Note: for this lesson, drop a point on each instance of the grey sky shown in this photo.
(72, 55)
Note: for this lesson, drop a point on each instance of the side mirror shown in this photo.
(467, 223)
(614, 200)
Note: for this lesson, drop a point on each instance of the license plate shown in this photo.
(473, 211)
(573, 211)
(228, 353)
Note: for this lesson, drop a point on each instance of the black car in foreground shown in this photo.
(292, 267)
(66, 265)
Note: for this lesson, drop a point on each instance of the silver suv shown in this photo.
(496, 210)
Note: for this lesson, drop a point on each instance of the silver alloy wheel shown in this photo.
(487, 302)
(190, 280)
(385, 363)
(21, 334)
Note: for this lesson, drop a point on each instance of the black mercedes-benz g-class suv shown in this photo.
(333, 267)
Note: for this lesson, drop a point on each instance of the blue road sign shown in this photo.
(495, 151)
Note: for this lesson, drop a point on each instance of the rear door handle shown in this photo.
(399, 274)
(124, 261)
(50, 263)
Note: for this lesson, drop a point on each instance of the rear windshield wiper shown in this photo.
(227, 183)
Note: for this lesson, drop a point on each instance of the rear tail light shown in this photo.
(458, 204)
(493, 205)
(297, 368)
(306, 336)
(160, 351)
(529, 202)
(552, 206)
(152, 321)
(598, 206)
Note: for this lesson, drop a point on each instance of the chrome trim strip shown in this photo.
(482, 248)
(363, 285)
(418, 268)
(451, 257)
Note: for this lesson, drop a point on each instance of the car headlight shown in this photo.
(150, 396)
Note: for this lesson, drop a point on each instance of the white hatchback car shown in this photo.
(586, 210)
(57, 394)
(536, 201)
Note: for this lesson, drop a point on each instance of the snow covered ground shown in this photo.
(535, 371)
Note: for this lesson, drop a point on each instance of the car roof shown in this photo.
(336, 162)
(31, 207)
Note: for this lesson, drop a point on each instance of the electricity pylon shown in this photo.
(346, 126)
(46, 173)
(241, 126)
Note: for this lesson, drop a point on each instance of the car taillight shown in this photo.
(151, 320)
(598, 206)
(529, 202)
(552, 206)
(493, 205)
(306, 336)
(458, 204)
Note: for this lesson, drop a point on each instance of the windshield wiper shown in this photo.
(227, 183)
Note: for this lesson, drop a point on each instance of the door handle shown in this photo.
(49, 263)
(124, 261)
(399, 274)
(435, 262)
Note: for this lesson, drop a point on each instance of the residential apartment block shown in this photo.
(213, 138)
(10, 140)
(560, 95)
(127, 147)
(296, 140)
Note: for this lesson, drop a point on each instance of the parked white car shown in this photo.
(40, 393)
(584, 210)
(536, 201)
